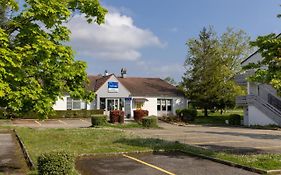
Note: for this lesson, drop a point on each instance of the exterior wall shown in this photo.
(256, 117)
(150, 105)
(102, 92)
(179, 103)
(60, 104)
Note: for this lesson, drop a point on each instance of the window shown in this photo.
(73, 103)
(169, 105)
(158, 105)
(164, 105)
(102, 103)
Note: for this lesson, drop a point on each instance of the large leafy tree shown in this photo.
(211, 65)
(268, 70)
(36, 67)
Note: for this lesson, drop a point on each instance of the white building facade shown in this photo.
(155, 95)
(262, 105)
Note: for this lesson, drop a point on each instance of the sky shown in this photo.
(148, 37)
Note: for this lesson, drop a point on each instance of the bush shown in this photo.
(116, 116)
(150, 122)
(235, 119)
(55, 163)
(99, 120)
(187, 115)
(139, 114)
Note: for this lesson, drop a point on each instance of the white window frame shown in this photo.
(164, 104)
(70, 102)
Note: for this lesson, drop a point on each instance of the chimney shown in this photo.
(105, 73)
(123, 73)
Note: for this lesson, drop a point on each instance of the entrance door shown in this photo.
(112, 104)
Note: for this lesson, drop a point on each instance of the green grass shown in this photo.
(215, 118)
(124, 126)
(109, 140)
(77, 141)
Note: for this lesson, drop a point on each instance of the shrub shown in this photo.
(99, 120)
(235, 119)
(150, 122)
(116, 116)
(139, 114)
(187, 115)
(55, 163)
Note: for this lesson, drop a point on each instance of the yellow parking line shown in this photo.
(38, 122)
(199, 143)
(63, 122)
(150, 165)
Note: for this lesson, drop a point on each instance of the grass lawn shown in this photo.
(215, 118)
(77, 141)
(108, 140)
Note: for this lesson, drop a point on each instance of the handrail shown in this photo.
(264, 103)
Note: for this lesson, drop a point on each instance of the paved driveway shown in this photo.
(154, 164)
(11, 158)
(236, 140)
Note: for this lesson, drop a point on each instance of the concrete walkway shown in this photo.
(232, 139)
(11, 158)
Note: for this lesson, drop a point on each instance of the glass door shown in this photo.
(112, 104)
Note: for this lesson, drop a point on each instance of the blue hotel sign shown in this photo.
(112, 86)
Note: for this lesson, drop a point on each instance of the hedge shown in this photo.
(187, 115)
(235, 119)
(116, 116)
(56, 163)
(58, 114)
(99, 120)
(139, 114)
(150, 122)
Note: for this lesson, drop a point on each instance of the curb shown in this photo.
(28, 160)
(229, 163)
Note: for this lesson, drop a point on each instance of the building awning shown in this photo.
(140, 100)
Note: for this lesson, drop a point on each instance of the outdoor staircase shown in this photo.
(266, 100)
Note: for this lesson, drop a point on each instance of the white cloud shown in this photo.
(117, 39)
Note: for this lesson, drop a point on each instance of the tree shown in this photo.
(170, 80)
(36, 67)
(211, 65)
(268, 70)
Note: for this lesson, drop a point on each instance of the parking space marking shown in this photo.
(148, 164)
(85, 121)
(202, 143)
(63, 122)
(38, 122)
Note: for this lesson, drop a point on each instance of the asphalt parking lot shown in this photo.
(154, 164)
(236, 140)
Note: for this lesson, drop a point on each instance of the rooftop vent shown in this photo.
(105, 73)
(123, 72)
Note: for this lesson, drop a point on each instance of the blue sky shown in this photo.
(148, 37)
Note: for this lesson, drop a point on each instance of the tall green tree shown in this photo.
(268, 70)
(211, 65)
(36, 67)
(171, 81)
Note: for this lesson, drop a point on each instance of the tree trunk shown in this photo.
(206, 112)
(221, 111)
